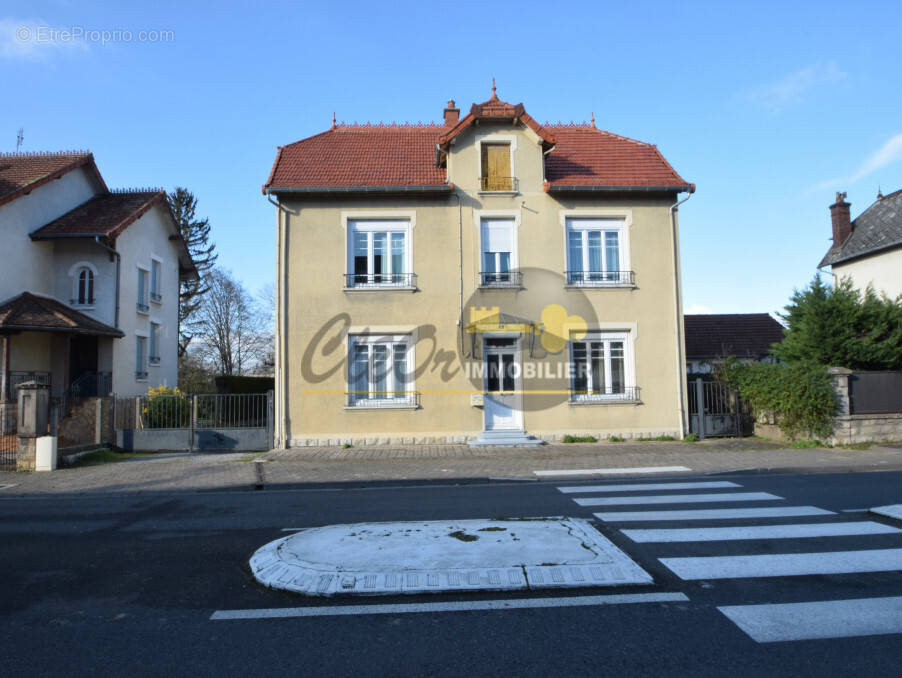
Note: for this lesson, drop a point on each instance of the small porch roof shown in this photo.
(32, 313)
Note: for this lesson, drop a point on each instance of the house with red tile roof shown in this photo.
(89, 279)
(486, 279)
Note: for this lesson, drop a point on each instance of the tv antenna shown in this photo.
(20, 136)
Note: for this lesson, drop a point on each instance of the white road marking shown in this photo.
(824, 619)
(676, 498)
(759, 532)
(713, 514)
(892, 511)
(6, 486)
(613, 471)
(293, 529)
(461, 606)
(854, 510)
(645, 487)
(785, 565)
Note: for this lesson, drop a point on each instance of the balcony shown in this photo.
(154, 360)
(140, 375)
(380, 281)
(506, 280)
(499, 184)
(382, 400)
(142, 307)
(628, 394)
(601, 278)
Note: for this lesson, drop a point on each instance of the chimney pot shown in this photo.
(840, 217)
(452, 114)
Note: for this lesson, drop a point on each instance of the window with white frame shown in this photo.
(156, 271)
(154, 343)
(498, 253)
(140, 357)
(379, 253)
(142, 305)
(595, 252)
(84, 287)
(600, 364)
(379, 372)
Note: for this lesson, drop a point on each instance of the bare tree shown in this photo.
(232, 335)
(266, 299)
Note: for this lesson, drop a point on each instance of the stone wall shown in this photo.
(88, 423)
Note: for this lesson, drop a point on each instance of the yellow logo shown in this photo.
(559, 328)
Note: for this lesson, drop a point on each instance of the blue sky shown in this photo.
(769, 109)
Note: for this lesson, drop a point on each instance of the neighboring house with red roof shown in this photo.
(486, 279)
(868, 249)
(748, 337)
(89, 279)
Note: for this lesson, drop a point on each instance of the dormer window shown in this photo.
(496, 167)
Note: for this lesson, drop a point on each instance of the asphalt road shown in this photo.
(126, 585)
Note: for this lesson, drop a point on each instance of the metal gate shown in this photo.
(195, 422)
(9, 442)
(716, 411)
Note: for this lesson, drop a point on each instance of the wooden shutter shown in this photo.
(496, 167)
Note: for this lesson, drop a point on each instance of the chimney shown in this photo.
(839, 215)
(452, 114)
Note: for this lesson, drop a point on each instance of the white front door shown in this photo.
(503, 390)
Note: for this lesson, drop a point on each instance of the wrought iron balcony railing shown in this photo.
(142, 307)
(629, 394)
(140, 375)
(381, 280)
(507, 279)
(15, 378)
(507, 184)
(382, 399)
(156, 296)
(600, 278)
(154, 360)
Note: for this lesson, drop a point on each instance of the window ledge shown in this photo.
(380, 288)
(481, 192)
(83, 307)
(600, 286)
(380, 408)
(156, 298)
(604, 402)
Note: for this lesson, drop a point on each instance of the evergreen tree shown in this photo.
(196, 233)
(841, 327)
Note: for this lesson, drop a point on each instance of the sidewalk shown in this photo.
(184, 472)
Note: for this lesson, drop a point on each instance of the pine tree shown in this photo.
(196, 233)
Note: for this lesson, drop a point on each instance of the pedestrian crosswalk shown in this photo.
(759, 528)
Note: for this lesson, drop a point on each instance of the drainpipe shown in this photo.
(281, 391)
(116, 254)
(678, 298)
(460, 274)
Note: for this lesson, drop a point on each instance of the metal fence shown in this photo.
(16, 378)
(9, 441)
(183, 421)
(875, 392)
(715, 410)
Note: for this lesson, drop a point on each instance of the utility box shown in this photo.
(34, 406)
(45, 454)
(477, 400)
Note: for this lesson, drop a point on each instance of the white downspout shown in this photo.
(678, 308)
(281, 308)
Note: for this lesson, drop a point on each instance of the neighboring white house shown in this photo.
(89, 279)
(868, 249)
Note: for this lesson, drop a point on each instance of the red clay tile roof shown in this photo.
(736, 334)
(363, 157)
(585, 156)
(29, 312)
(107, 214)
(21, 173)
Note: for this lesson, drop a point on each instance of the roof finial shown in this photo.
(593, 118)
(879, 193)
(494, 95)
(333, 119)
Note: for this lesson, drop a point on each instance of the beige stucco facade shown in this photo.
(317, 312)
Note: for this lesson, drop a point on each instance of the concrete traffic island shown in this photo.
(442, 556)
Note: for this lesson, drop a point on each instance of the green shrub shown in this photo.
(690, 438)
(800, 395)
(656, 439)
(615, 439)
(580, 439)
(166, 408)
(805, 444)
